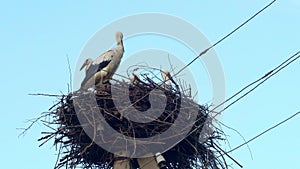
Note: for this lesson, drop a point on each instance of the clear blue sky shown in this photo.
(36, 36)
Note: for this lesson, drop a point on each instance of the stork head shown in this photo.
(119, 37)
(166, 77)
(86, 63)
(133, 78)
(165, 74)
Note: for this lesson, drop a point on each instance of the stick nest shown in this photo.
(77, 149)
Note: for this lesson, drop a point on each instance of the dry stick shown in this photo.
(43, 94)
(225, 163)
(226, 36)
(70, 73)
(239, 135)
(214, 144)
(33, 121)
(146, 95)
(170, 64)
(58, 155)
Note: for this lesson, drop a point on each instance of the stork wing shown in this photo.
(99, 63)
(104, 57)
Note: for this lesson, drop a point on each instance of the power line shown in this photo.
(222, 39)
(264, 132)
(258, 135)
(263, 79)
(273, 72)
(225, 37)
(265, 76)
(268, 75)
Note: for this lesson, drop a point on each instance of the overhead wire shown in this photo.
(219, 41)
(264, 132)
(277, 69)
(215, 44)
(225, 37)
(261, 80)
(267, 76)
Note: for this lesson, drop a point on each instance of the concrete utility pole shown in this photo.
(148, 163)
(122, 163)
(152, 162)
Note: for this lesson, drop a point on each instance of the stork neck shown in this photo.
(120, 45)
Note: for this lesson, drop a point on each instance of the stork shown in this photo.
(166, 76)
(87, 64)
(134, 79)
(104, 66)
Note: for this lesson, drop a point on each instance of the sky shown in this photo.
(36, 36)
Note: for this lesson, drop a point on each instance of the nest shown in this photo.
(78, 149)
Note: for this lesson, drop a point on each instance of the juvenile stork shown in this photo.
(134, 79)
(104, 66)
(166, 76)
(87, 64)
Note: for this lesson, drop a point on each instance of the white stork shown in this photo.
(134, 79)
(166, 76)
(104, 66)
(87, 64)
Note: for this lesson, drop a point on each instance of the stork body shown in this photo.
(166, 76)
(134, 79)
(103, 67)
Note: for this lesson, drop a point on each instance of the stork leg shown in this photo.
(99, 78)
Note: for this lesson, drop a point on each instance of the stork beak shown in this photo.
(84, 64)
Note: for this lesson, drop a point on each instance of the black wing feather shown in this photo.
(93, 69)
